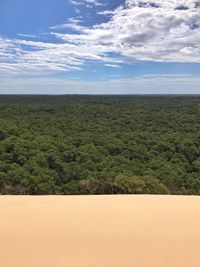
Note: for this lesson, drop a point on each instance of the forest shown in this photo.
(99, 144)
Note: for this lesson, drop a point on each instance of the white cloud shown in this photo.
(167, 31)
(168, 4)
(87, 3)
(22, 56)
(27, 35)
(73, 23)
(113, 65)
(154, 30)
(109, 12)
(94, 2)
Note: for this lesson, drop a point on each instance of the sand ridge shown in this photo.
(100, 231)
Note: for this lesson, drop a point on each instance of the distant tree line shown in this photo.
(99, 145)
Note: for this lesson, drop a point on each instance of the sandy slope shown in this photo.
(100, 231)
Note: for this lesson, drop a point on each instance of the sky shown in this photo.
(100, 47)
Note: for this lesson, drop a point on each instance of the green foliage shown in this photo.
(129, 185)
(139, 185)
(99, 145)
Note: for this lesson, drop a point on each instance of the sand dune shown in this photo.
(99, 231)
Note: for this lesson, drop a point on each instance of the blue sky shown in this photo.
(99, 46)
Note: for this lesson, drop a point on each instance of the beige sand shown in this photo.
(100, 231)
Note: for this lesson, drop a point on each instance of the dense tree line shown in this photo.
(99, 144)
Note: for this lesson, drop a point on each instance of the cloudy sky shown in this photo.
(100, 46)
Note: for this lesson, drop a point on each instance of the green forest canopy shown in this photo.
(99, 144)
